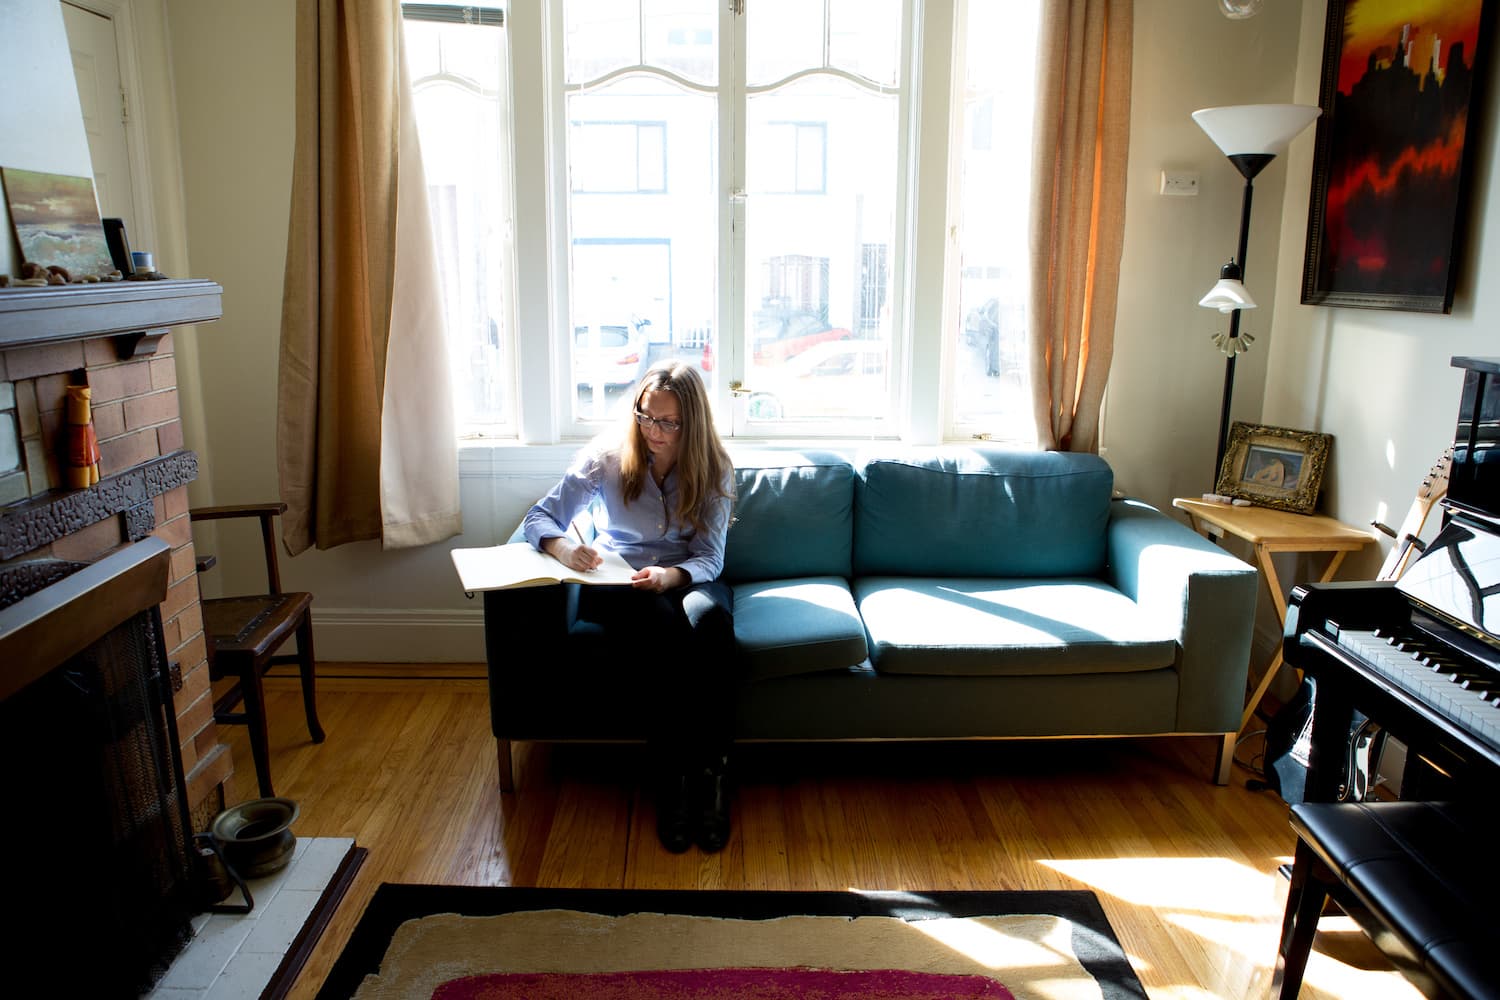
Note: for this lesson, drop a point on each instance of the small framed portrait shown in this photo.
(1274, 466)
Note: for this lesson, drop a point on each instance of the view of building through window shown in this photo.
(732, 198)
(990, 376)
(459, 81)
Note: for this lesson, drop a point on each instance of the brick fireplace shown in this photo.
(117, 340)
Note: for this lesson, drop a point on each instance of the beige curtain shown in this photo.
(365, 429)
(1078, 213)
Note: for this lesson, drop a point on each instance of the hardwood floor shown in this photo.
(1185, 869)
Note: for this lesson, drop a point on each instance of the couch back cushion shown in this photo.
(793, 514)
(981, 511)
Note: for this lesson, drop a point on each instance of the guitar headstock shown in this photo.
(1435, 484)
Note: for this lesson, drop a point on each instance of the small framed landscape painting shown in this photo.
(56, 219)
(1393, 153)
(1274, 466)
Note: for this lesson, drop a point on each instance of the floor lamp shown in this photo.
(1251, 135)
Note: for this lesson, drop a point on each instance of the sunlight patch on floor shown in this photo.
(995, 950)
(1204, 887)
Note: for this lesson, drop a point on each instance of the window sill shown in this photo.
(494, 457)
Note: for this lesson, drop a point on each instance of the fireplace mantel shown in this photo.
(137, 312)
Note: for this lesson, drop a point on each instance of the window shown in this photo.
(795, 156)
(456, 58)
(619, 157)
(744, 191)
(991, 390)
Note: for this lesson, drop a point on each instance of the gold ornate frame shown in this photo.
(1274, 466)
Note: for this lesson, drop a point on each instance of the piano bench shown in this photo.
(1419, 879)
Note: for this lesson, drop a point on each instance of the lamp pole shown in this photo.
(1248, 164)
(1250, 135)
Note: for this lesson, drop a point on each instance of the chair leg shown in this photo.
(255, 721)
(306, 664)
(1304, 905)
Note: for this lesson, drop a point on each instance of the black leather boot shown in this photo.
(713, 805)
(674, 812)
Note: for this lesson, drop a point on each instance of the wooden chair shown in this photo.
(244, 634)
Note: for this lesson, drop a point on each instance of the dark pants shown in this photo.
(681, 646)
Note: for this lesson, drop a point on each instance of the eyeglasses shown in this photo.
(665, 426)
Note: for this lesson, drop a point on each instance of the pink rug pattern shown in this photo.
(723, 984)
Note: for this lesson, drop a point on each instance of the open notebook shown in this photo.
(517, 564)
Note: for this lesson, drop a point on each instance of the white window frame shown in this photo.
(924, 259)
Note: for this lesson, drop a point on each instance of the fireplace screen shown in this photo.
(100, 891)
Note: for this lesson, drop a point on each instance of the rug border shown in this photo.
(393, 903)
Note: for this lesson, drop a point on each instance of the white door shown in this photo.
(96, 65)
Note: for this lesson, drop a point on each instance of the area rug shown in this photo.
(506, 943)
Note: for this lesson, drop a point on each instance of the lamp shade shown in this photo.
(1228, 295)
(1255, 128)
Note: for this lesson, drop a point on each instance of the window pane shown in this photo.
(782, 37)
(821, 169)
(860, 40)
(463, 121)
(991, 385)
(599, 36)
(643, 234)
(682, 36)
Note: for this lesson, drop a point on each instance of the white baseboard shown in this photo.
(398, 635)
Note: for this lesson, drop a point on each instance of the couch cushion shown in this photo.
(801, 626)
(793, 516)
(1006, 627)
(981, 511)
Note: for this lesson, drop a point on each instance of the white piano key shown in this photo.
(1438, 688)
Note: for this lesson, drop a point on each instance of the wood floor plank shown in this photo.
(1186, 870)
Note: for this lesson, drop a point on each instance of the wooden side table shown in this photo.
(1270, 531)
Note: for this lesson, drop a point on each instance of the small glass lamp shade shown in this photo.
(1237, 10)
(1255, 128)
(1227, 296)
(1229, 293)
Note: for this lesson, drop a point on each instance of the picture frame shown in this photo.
(119, 245)
(56, 221)
(1276, 467)
(1393, 158)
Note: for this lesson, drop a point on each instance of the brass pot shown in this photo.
(255, 836)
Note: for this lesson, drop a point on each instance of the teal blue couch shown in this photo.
(933, 594)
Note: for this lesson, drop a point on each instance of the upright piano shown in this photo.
(1419, 656)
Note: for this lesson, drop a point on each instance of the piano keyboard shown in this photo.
(1464, 694)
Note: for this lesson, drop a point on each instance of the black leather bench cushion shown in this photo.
(1427, 871)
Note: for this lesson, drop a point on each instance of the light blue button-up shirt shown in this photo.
(642, 532)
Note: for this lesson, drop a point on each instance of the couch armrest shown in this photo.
(1183, 582)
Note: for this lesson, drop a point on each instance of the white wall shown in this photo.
(1167, 379)
(1333, 370)
(41, 124)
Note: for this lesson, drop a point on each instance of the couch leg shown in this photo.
(1225, 760)
(507, 773)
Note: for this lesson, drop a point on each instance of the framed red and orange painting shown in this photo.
(1393, 157)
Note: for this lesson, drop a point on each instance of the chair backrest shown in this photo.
(267, 513)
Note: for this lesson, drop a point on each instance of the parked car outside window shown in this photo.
(610, 354)
(840, 378)
(780, 335)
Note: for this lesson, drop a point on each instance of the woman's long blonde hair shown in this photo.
(703, 464)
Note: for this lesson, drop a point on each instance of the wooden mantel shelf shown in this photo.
(142, 310)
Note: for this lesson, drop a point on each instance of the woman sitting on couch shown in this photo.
(664, 489)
